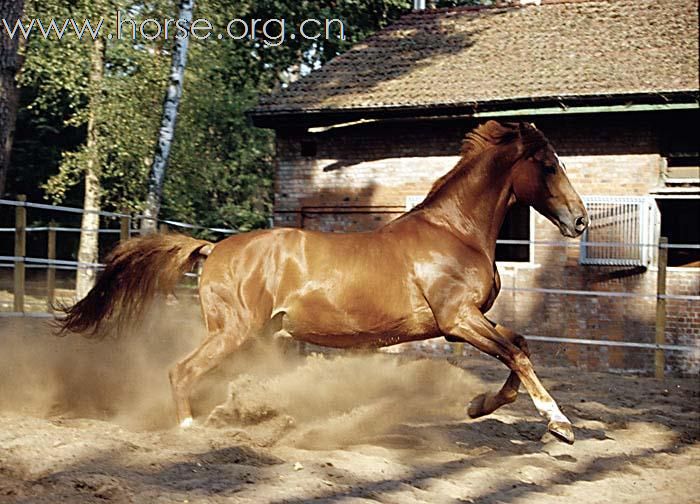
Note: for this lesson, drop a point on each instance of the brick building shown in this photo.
(614, 86)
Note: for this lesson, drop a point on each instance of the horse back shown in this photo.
(338, 288)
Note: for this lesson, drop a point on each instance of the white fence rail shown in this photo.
(629, 227)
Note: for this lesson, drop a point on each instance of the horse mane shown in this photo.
(481, 138)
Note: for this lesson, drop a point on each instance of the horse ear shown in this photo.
(526, 127)
(527, 135)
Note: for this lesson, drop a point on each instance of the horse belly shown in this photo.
(329, 326)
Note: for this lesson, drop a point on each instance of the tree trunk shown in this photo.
(10, 63)
(167, 125)
(89, 243)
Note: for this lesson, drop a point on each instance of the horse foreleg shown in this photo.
(186, 372)
(486, 403)
(473, 328)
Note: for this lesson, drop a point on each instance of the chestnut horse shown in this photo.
(430, 272)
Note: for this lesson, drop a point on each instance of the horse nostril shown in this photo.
(581, 223)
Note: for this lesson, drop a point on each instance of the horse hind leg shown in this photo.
(185, 373)
(487, 403)
(223, 338)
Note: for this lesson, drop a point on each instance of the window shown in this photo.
(308, 148)
(516, 226)
(680, 223)
(680, 148)
(682, 169)
(626, 227)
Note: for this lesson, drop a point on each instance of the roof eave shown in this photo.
(279, 119)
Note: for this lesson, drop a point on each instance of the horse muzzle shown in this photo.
(574, 226)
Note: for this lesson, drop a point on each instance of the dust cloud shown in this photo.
(331, 402)
(124, 379)
(265, 390)
(93, 421)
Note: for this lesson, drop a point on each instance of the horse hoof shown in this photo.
(187, 423)
(476, 406)
(562, 431)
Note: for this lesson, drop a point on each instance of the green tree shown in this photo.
(168, 121)
(221, 167)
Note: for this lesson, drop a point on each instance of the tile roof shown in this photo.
(471, 56)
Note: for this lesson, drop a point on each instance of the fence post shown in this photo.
(660, 339)
(20, 251)
(163, 227)
(124, 228)
(51, 269)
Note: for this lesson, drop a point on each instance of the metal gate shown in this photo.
(624, 231)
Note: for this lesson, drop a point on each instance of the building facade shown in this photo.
(362, 140)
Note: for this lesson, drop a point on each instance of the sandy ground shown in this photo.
(93, 422)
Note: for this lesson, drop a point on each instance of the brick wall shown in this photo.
(683, 318)
(360, 177)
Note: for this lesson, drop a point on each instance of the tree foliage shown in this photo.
(221, 167)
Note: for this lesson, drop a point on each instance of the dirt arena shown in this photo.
(88, 422)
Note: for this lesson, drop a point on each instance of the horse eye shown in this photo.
(550, 169)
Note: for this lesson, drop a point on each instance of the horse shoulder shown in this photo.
(453, 282)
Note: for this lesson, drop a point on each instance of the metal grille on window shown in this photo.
(622, 232)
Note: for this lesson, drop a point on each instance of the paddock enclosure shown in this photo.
(612, 319)
(91, 422)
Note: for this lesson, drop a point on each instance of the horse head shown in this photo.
(539, 180)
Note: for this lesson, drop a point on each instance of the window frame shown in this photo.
(676, 196)
(412, 200)
(530, 263)
(647, 235)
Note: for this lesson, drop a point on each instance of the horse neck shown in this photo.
(474, 204)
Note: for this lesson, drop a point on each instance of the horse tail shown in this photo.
(135, 271)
